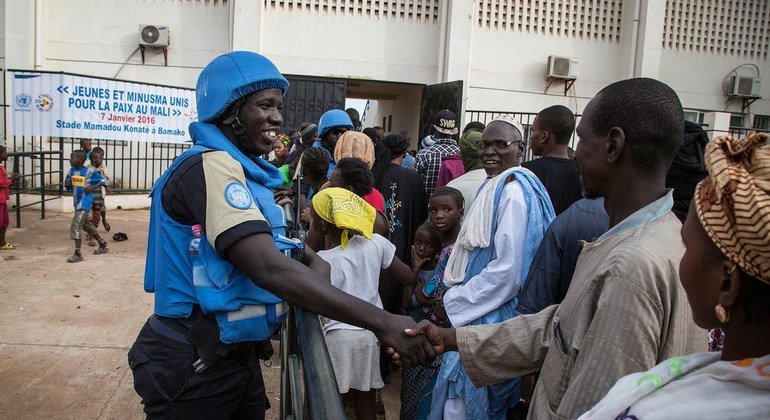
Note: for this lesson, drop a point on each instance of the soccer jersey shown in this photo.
(79, 179)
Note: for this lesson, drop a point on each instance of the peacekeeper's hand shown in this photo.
(412, 350)
(442, 339)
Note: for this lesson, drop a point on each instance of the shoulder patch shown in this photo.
(238, 196)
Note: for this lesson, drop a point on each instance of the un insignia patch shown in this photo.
(238, 196)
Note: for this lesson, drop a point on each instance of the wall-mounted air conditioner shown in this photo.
(744, 87)
(153, 36)
(562, 68)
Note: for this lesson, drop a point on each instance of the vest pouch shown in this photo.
(249, 323)
(211, 285)
(276, 314)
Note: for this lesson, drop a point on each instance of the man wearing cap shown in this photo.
(333, 124)
(215, 261)
(488, 264)
(428, 160)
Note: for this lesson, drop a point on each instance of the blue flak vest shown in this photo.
(244, 311)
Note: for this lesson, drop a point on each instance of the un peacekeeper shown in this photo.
(196, 356)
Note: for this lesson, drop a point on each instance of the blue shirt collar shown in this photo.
(643, 216)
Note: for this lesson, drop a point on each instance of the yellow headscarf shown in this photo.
(357, 145)
(345, 210)
(733, 203)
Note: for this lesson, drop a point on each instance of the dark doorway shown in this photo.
(437, 97)
(309, 97)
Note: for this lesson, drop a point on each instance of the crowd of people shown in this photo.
(555, 288)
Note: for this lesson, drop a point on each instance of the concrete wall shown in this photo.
(503, 65)
(351, 45)
(95, 37)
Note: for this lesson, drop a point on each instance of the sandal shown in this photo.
(75, 258)
(101, 250)
(7, 247)
(119, 237)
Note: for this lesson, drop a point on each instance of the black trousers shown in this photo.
(171, 389)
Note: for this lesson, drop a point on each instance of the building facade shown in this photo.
(391, 51)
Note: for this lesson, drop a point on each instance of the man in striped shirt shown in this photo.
(428, 160)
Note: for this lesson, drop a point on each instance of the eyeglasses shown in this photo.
(496, 144)
(338, 131)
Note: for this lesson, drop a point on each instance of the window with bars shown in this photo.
(728, 27)
(419, 10)
(585, 19)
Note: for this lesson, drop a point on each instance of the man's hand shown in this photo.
(442, 339)
(410, 350)
(15, 177)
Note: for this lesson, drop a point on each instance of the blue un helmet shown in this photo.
(333, 118)
(231, 77)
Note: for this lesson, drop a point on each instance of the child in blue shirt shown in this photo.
(82, 181)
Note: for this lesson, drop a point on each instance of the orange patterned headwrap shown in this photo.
(733, 203)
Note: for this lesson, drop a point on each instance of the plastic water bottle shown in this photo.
(200, 278)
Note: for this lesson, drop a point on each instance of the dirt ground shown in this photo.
(66, 328)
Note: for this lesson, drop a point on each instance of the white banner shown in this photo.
(65, 105)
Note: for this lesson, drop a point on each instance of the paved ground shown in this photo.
(66, 328)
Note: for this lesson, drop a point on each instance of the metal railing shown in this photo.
(31, 167)
(132, 166)
(302, 341)
(525, 118)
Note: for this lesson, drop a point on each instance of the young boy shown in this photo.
(82, 181)
(85, 145)
(5, 183)
(99, 209)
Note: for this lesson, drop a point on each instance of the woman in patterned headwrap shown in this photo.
(726, 273)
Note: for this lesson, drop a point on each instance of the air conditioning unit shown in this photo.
(744, 87)
(562, 68)
(153, 36)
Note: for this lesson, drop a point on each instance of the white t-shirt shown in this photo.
(356, 271)
(469, 184)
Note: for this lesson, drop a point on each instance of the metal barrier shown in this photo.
(133, 166)
(302, 340)
(32, 178)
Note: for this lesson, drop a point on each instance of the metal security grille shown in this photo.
(419, 10)
(586, 19)
(728, 27)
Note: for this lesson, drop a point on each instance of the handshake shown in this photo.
(413, 344)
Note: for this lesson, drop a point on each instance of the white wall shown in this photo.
(697, 78)
(351, 46)
(95, 37)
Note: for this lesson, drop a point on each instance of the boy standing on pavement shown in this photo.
(82, 181)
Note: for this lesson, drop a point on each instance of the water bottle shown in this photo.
(200, 278)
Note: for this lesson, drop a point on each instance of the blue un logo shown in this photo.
(23, 100)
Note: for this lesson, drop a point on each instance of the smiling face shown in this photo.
(260, 115)
(590, 154)
(500, 148)
(444, 212)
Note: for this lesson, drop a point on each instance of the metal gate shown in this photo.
(309, 97)
(437, 97)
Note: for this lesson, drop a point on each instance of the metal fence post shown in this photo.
(42, 186)
(18, 192)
